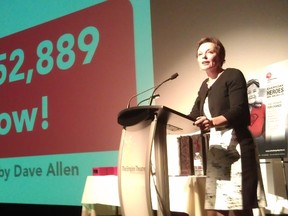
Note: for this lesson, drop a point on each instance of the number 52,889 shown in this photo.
(64, 60)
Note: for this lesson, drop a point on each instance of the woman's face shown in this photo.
(207, 57)
(253, 93)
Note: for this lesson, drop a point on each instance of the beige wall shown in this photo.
(254, 34)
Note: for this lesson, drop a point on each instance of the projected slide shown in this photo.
(62, 84)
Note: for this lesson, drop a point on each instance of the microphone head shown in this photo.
(174, 76)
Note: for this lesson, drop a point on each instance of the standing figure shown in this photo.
(257, 111)
(221, 108)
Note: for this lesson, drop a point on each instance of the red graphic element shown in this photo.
(268, 75)
(257, 117)
(253, 118)
(83, 101)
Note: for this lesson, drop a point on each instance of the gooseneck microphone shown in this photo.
(154, 87)
(174, 76)
(154, 96)
(129, 102)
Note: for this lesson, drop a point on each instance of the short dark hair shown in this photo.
(253, 81)
(219, 47)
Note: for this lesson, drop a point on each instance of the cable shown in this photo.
(165, 212)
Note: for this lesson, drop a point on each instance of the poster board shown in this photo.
(268, 101)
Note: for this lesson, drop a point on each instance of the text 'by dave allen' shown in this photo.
(53, 169)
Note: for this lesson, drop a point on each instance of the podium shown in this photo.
(145, 129)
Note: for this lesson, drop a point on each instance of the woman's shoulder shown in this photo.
(234, 75)
(233, 72)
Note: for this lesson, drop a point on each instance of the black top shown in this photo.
(227, 97)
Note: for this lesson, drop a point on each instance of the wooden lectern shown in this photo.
(146, 127)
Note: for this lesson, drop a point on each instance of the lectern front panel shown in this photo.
(134, 169)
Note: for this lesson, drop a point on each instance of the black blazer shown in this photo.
(227, 97)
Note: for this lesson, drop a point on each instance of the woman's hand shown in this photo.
(203, 123)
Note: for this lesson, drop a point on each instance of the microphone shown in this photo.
(174, 76)
(128, 105)
(154, 96)
(154, 87)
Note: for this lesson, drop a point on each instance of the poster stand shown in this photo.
(284, 176)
